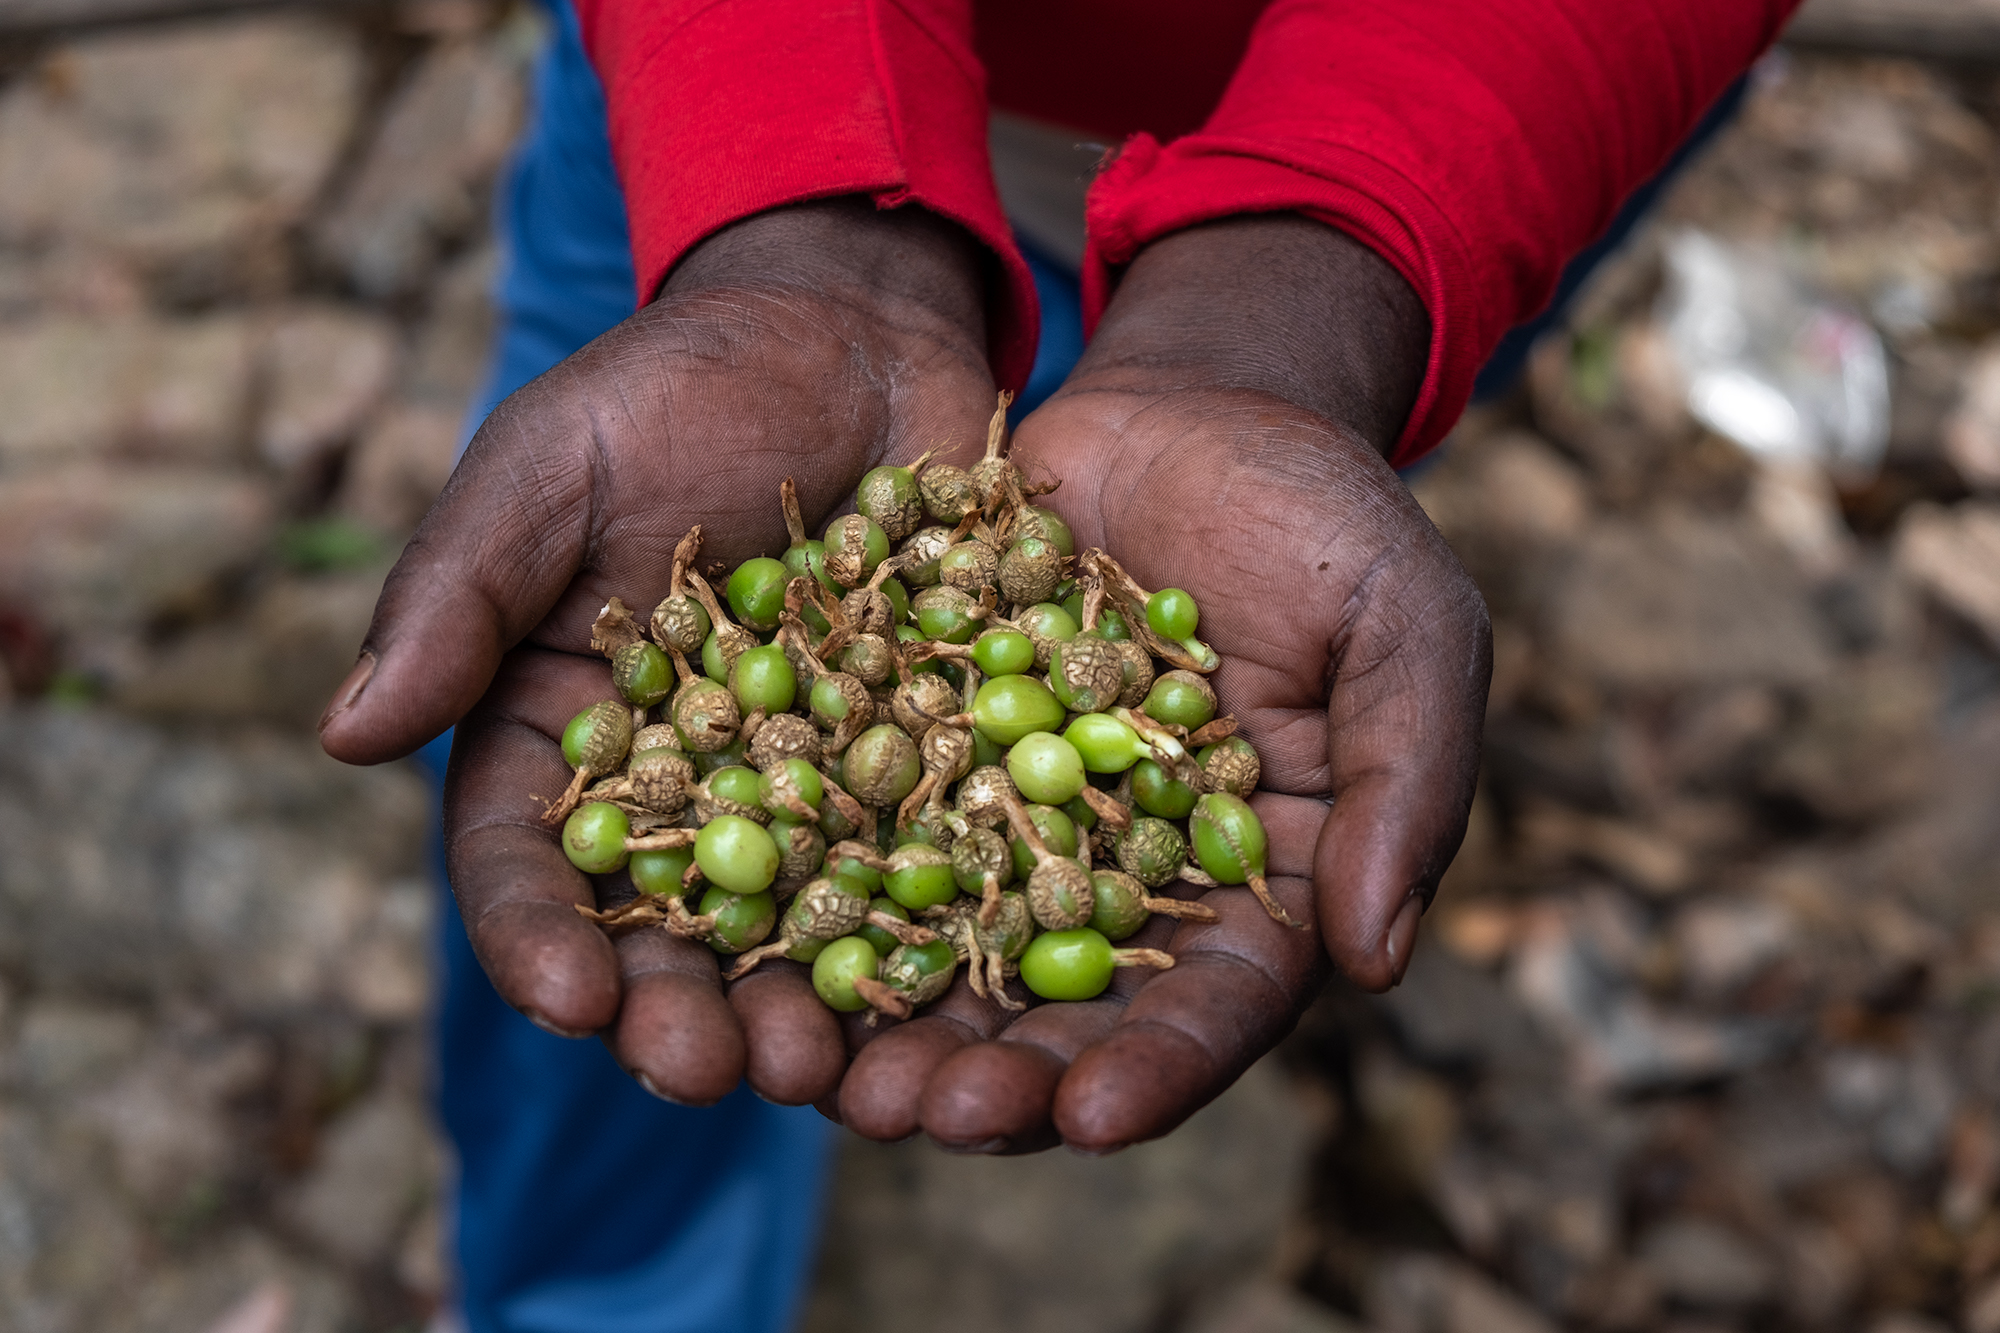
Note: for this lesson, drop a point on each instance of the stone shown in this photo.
(1265, 1306)
(1954, 556)
(326, 366)
(279, 660)
(167, 1119)
(385, 977)
(453, 345)
(400, 466)
(992, 1239)
(1685, 600)
(1706, 1265)
(187, 148)
(89, 545)
(1866, 745)
(1982, 1308)
(377, 1163)
(65, 1045)
(1582, 992)
(1972, 434)
(443, 134)
(1723, 943)
(240, 1277)
(170, 389)
(1428, 1293)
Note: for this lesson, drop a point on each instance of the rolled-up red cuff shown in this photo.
(720, 111)
(1148, 192)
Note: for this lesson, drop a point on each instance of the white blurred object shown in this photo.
(1787, 374)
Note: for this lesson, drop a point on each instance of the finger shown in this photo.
(578, 486)
(1404, 722)
(515, 889)
(796, 1051)
(881, 1096)
(676, 1034)
(1236, 988)
(997, 1096)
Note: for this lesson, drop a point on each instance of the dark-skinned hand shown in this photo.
(1225, 434)
(1221, 436)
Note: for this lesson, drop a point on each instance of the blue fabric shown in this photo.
(583, 1205)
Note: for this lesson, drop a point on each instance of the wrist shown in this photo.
(923, 273)
(1273, 303)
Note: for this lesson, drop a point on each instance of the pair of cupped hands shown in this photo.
(1224, 433)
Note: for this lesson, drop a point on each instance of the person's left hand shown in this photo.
(1224, 434)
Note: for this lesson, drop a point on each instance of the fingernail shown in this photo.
(535, 1017)
(980, 1146)
(645, 1081)
(350, 689)
(1082, 1151)
(1402, 939)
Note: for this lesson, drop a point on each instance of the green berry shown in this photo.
(593, 837)
(1231, 765)
(807, 560)
(872, 542)
(921, 971)
(920, 877)
(858, 874)
(1008, 708)
(1046, 768)
(1068, 964)
(881, 940)
(1121, 904)
(888, 495)
(1058, 833)
(945, 614)
(1172, 614)
(713, 664)
(757, 592)
(736, 854)
(729, 756)
(736, 785)
(662, 873)
(597, 739)
(742, 920)
(792, 781)
(1003, 652)
(1048, 525)
(882, 766)
(763, 678)
(1152, 851)
(1157, 793)
(1229, 839)
(1182, 698)
(1105, 744)
(642, 673)
(838, 966)
(899, 601)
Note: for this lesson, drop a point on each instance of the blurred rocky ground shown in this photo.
(1704, 1033)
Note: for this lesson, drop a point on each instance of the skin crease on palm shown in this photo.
(1223, 434)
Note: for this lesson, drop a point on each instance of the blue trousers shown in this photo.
(582, 1204)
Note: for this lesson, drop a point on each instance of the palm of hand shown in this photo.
(1342, 622)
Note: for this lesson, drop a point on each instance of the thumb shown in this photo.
(488, 562)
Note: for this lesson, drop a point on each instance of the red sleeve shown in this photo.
(1475, 144)
(720, 109)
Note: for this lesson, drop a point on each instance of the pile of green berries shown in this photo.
(935, 736)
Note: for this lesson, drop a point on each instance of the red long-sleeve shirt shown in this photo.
(1474, 144)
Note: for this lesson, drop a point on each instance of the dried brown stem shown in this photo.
(1181, 910)
(883, 998)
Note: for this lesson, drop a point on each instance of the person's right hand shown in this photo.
(811, 342)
